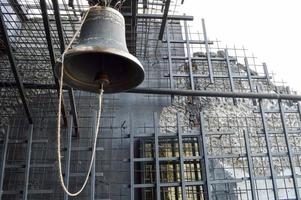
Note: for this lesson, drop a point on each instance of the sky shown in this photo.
(271, 29)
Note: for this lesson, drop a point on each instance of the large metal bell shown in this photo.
(102, 55)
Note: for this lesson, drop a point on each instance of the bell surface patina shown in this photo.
(102, 52)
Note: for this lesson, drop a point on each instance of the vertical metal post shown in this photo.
(14, 68)
(189, 56)
(230, 74)
(145, 4)
(249, 74)
(299, 111)
(28, 158)
(45, 17)
(181, 154)
(250, 163)
(169, 57)
(93, 166)
(73, 110)
(4, 153)
(134, 9)
(288, 90)
(270, 156)
(132, 156)
(164, 20)
(17, 7)
(207, 52)
(68, 155)
(290, 153)
(62, 48)
(156, 129)
(196, 168)
(174, 166)
(249, 77)
(203, 149)
(266, 72)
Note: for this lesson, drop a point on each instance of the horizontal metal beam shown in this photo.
(13, 65)
(216, 76)
(17, 192)
(159, 16)
(215, 94)
(180, 92)
(185, 41)
(200, 58)
(161, 159)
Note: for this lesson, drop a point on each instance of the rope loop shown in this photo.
(100, 96)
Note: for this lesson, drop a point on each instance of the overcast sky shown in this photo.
(271, 29)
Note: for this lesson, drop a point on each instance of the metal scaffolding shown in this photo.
(208, 122)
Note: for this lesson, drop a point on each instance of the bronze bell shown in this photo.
(102, 55)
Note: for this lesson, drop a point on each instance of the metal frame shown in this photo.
(171, 78)
(157, 162)
(158, 16)
(266, 72)
(164, 20)
(207, 182)
(51, 54)
(3, 162)
(250, 163)
(93, 171)
(68, 155)
(207, 52)
(270, 156)
(189, 56)
(203, 149)
(18, 10)
(62, 48)
(132, 155)
(181, 152)
(232, 75)
(14, 69)
(205, 93)
(28, 158)
(249, 74)
(289, 149)
(180, 92)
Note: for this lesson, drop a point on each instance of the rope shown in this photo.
(59, 121)
(119, 4)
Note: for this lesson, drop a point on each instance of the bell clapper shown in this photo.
(102, 79)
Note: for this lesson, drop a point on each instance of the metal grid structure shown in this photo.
(210, 123)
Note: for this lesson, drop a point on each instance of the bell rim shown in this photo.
(95, 49)
(76, 83)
